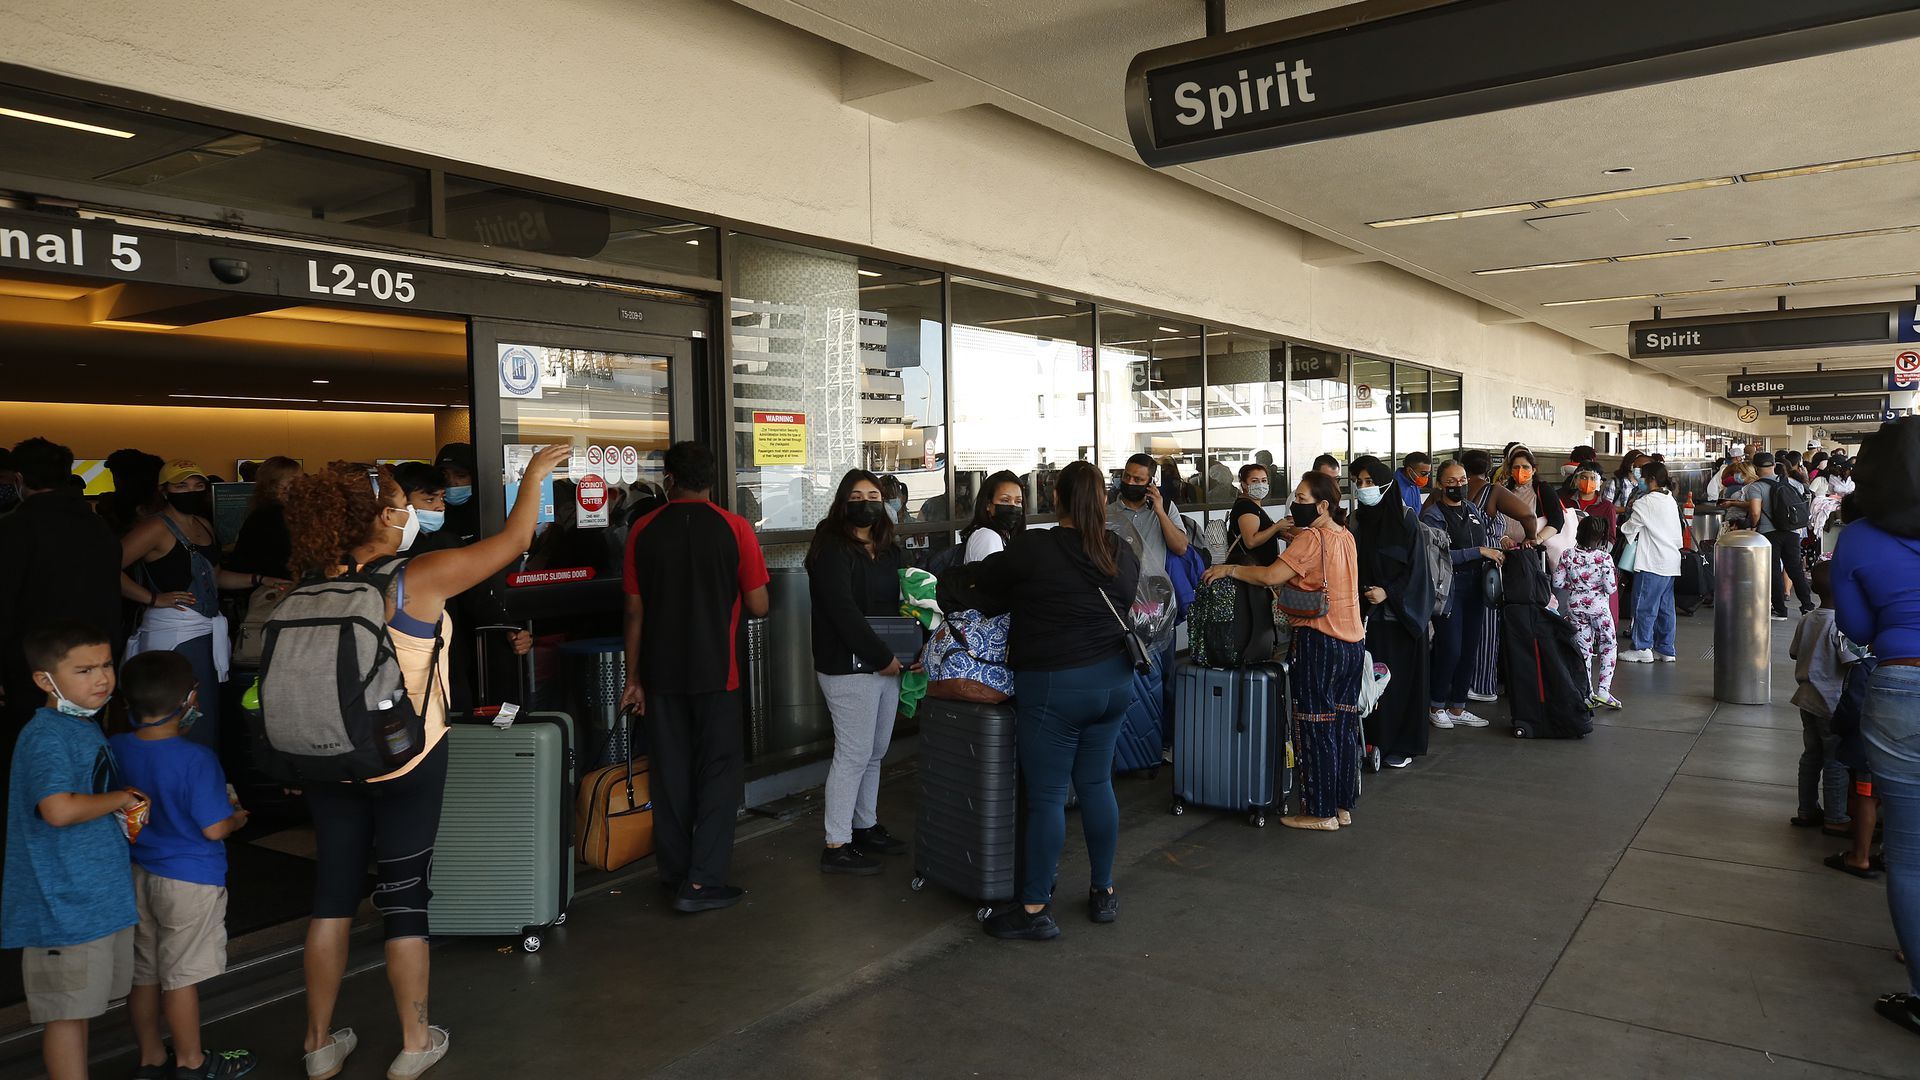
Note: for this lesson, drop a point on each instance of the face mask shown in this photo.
(66, 706)
(1636, 472)
(1421, 482)
(863, 514)
(1133, 492)
(1523, 474)
(188, 715)
(895, 507)
(1586, 485)
(1368, 496)
(195, 503)
(1457, 493)
(1260, 490)
(430, 520)
(1305, 514)
(408, 532)
(1009, 518)
(458, 496)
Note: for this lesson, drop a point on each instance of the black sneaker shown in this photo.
(162, 1071)
(707, 898)
(878, 841)
(1103, 905)
(219, 1065)
(1014, 924)
(847, 859)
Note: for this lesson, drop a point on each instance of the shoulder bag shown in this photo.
(1300, 604)
(614, 812)
(1136, 649)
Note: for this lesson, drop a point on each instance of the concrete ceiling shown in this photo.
(1061, 63)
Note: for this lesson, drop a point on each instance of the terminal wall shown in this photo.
(709, 107)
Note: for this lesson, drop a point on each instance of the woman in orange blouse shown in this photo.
(1328, 652)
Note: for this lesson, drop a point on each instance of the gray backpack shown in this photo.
(1439, 562)
(332, 703)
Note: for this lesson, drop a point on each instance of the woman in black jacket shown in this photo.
(1073, 681)
(1396, 599)
(853, 571)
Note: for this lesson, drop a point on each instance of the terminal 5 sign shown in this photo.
(1382, 64)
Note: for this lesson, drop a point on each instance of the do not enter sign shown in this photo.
(590, 500)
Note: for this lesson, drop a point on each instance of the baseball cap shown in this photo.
(179, 469)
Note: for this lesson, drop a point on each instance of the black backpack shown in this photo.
(1787, 506)
(1230, 625)
(330, 682)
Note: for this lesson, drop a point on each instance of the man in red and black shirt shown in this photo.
(691, 569)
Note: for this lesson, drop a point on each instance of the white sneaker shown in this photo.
(1467, 719)
(1440, 718)
(1471, 696)
(1637, 656)
(326, 1062)
(411, 1063)
(1669, 659)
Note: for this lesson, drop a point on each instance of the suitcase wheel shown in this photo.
(560, 919)
(1178, 808)
(1257, 818)
(919, 882)
(530, 940)
(983, 914)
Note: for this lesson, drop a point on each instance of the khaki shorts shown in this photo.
(76, 982)
(182, 936)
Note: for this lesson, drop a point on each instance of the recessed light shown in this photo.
(693, 243)
(1168, 330)
(869, 273)
(41, 118)
(321, 382)
(1618, 170)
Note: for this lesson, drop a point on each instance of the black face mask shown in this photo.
(1008, 518)
(863, 514)
(196, 503)
(1304, 514)
(1457, 493)
(1133, 492)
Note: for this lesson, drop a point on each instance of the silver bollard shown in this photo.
(1742, 607)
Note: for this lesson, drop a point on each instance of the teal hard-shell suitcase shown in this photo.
(503, 861)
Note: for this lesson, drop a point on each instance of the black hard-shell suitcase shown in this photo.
(1230, 730)
(965, 836)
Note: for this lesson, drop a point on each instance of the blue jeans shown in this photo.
(1068, 724)
(1890, 724)
(1823, 779)
(1456, 640)
(1653, 612)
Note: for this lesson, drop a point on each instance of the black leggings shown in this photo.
(395, 821)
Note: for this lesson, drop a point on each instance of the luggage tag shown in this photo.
(508, 712)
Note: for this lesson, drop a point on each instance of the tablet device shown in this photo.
(900, 633)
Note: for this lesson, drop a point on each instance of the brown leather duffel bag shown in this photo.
(614, 814)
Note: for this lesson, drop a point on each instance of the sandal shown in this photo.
(1802, 821)
(1838, 861)
(1902, 1009)
(1300, 821)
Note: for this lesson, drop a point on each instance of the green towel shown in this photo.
(917, 601)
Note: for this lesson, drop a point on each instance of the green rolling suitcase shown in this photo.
(503, 861)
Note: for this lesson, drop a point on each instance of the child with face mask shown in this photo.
(179, 869)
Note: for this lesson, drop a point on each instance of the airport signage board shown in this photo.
(1768, 331)
(1383, 64)
(1803, 406)
(1844, 416)
(1809, 382)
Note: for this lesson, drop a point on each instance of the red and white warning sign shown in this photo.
(1906, 369)
(590, 498)
(594, 457)
(629, 465)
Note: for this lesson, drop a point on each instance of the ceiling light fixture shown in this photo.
(56, 121)
(1856, 235)
(693, 243)
(243, 397)
(1640, 192)
(399, 404)
(321, 382)
(1832, 166)
(1168, 330)
(1677, 252)
(1772, 286)
(1540, 266)
(1455, 215)
(868, 273)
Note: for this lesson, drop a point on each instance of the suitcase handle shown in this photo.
(521, 665)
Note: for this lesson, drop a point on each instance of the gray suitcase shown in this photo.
(503, 860)
(1232, 732)
(966, 831)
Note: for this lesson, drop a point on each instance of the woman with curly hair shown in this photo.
(347, 517)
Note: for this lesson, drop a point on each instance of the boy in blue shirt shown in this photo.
(67, 897)
(179, 869)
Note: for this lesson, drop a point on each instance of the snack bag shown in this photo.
(135, 817)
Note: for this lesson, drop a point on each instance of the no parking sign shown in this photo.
(1906, 369)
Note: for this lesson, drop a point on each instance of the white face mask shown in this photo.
(66, 705)
(408, 532)
(1258, 489)
(1368, 496)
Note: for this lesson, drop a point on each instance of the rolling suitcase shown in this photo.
(965, 835)
(1230, 730)
(1141, 743)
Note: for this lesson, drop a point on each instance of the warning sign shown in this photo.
(779, 438)
(590, 500)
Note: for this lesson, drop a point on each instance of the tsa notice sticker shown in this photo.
(520, 371)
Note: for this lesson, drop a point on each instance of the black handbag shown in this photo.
(1493, 583)
(1137, 654)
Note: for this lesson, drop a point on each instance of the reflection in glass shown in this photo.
(1372, 410)
(1246, 413)
(1446, 416)
(1022, 387)
(1317, 393)
(837, 364)
(1149, 399)
(513, 218)
(1411, 407)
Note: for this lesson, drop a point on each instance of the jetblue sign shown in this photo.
(1810, 382)
(1382, 64)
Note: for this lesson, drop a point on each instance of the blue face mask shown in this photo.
(1636, 472)
(188, 715)
(458, 496)
(68, 707)
(430, 520)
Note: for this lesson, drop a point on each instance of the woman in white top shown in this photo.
(1653, 529)
(998, 514)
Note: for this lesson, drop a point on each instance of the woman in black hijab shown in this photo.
(1396, 599)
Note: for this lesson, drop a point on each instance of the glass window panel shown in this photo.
(1317, 393)
(1022, 362)
(506, 217)
(1150, 398)
(159, 154)
(850, 351)
(1246, 412)
(1372, 410)
(599, 402)
(1412, 411)
(1446, 416)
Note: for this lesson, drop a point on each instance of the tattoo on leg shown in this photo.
(420, 1011)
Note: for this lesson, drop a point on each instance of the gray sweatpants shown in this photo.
(863, 708)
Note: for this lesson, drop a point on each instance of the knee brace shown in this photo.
(402, 895)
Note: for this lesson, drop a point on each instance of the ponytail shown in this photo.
(1082, 501)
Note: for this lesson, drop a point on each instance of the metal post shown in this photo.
(1742, 609)
(1216, 17)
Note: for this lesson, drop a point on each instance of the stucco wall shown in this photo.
(704, 105)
